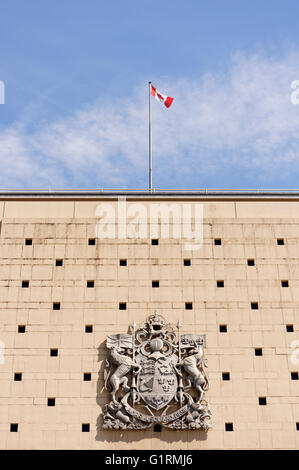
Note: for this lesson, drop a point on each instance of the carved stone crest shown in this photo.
(156, 376)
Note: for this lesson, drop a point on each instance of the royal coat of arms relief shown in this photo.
(156, 376)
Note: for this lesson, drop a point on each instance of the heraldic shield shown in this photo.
(157, 381)
(156, 368)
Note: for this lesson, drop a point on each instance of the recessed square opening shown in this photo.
(85, 427)
(59, 262)
(123, 262)
(21, 328)
(90, 284)
(220, 283)
(258, 351)
(217, 241)
(155, 283)
(122, 306)
(14, 427)
(91, 241)
(225, 376)
(294, 376)
(157, 428)
(56, 305)
(290, 328)
(18, 377)
(262, 401)
(254, 305)
(88, 328)
(284, 283)
(25, 284)
(280, 241)
(28, 241)
(187, 262)
(188, 306)
(87, 377)
(229, 427)
(54, 352)
(51, 401)
(155, 241)
(223, 328)
(250, 262)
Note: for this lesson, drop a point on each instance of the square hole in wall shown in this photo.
(217, 241)
(56, 305)
(157, 428)
(85, 427)
(123, 262)
(258, 351)
(21, 328)
(223, 328)
(59, 262)
(122, 306)
(155, 283)
(87, 376)
(250, 262)
(155, 241)
(225, 376)
(25, 284)
(254, 305)
(18, 377)
(262, 401)
(14, 427)
(91, 241)
(188, 306)
(297, 426)
(187, 262)
(229, 426)
(88, 328)
(51, 401)
(90, 284)
(28, 241)
(294, 376)
(280, 241)
(220, 283)
(290, 328)
(54, 352)
(284, 283)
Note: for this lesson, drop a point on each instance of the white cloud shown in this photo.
(242, 119)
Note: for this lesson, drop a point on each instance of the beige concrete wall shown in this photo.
(60, 229)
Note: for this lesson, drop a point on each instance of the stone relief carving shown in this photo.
(156, 376)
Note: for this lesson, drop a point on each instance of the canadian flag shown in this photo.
(167, 100)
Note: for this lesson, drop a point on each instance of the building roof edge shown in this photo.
(222, 194)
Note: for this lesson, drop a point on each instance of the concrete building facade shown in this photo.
(64, 287)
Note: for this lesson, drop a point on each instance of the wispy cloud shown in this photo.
(241, 120)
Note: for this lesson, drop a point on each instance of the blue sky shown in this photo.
(76, 73)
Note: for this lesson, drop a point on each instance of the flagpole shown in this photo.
(150, 138)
